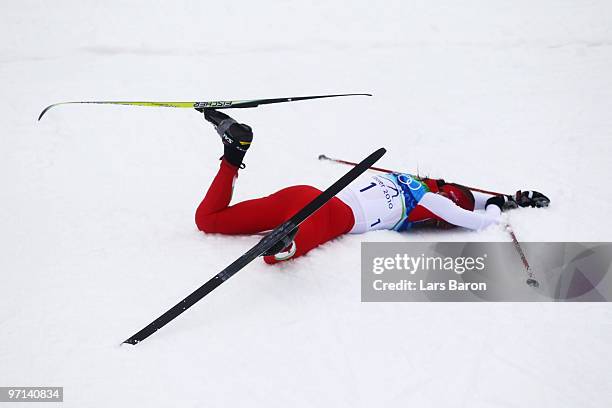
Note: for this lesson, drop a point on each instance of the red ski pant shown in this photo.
(215, 215)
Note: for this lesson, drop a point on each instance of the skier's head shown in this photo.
(460, 195)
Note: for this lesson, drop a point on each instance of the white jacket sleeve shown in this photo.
(447, 210)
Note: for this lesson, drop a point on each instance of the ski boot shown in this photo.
(236, 137)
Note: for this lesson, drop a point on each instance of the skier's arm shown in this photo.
(447, 210)
(480, 199)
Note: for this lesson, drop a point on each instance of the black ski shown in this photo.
(249, 103)
(262, 246)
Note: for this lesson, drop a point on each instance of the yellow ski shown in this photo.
(208, 104)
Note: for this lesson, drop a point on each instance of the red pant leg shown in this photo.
(215, 216)
(332, 220)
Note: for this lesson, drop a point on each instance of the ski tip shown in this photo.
(49, 107)
(380, 153)
(323, 157)
(131, 341)
(44, 111)
(375, 156)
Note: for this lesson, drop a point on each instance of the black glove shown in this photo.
(531, 199)
(504, 202)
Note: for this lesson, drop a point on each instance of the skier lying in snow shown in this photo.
(394, 201)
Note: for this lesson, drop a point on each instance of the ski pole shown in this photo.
(383, 170)
(531, 278)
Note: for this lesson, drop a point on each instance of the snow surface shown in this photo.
(97, 231)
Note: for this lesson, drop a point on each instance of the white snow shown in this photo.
(96, 224)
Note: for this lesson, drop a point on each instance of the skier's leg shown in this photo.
(236, 138)
(219, 193)
(332, 220)
(215, 216)
(213, 213)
